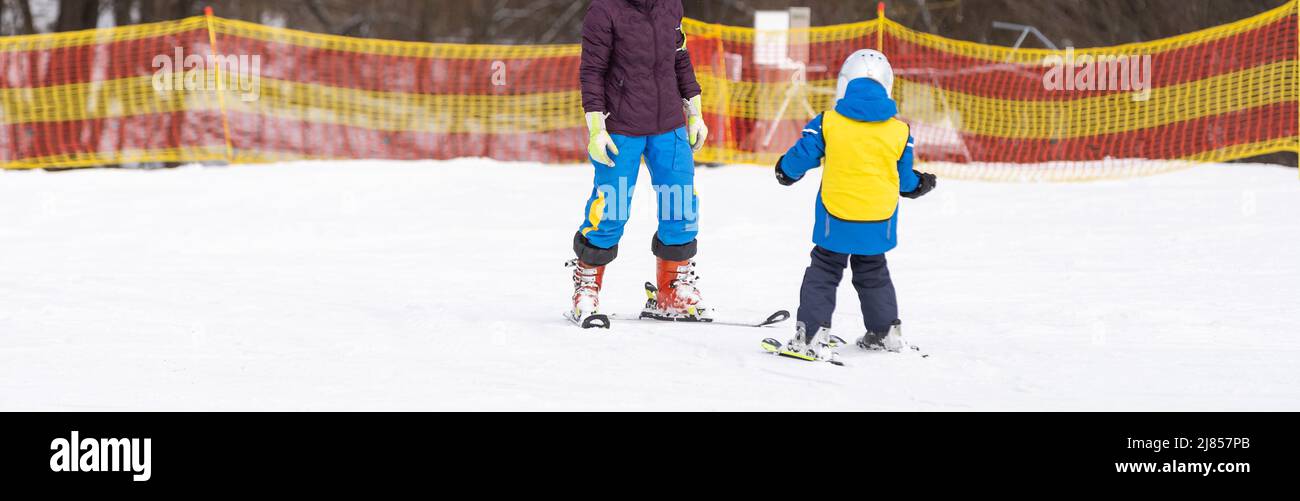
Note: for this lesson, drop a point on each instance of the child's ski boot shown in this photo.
(819, 347)
(891, 340)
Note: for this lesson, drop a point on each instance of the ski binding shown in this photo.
(650, 312)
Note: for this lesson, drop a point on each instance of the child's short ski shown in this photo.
(776, 348)
(591, 322)
(890, 342)
(909, 348)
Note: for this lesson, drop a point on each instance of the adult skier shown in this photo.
(867, 157)
(641, 101)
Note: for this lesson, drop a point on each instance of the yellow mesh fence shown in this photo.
(207, 89)
(989, 112)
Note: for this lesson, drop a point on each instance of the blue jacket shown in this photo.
(865, 101)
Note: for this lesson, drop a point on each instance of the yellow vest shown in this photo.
(860, 182)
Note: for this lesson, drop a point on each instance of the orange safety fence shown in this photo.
(207, 89)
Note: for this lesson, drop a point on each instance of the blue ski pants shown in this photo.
(671, 164)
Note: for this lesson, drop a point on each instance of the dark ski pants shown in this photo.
(870, 278)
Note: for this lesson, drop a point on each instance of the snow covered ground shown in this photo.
(439, 286)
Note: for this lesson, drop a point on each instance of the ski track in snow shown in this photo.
(440, 286)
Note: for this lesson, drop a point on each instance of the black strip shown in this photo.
(590, 254)
(684, 252)
(323, 452)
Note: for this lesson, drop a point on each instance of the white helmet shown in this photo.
(866, 63)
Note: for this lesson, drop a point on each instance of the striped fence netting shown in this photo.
(990, 112)
(207, 89)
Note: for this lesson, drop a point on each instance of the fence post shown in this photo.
(221, 95)
(724, 103)
(880, 26)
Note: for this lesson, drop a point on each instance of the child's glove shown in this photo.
(781, 176)
(928, 182)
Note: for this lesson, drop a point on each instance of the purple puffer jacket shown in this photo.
(635, 65)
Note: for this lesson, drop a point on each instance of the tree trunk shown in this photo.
(428, 18)
(122, 12)
(28, 25)
(148, 11)
(77, 15)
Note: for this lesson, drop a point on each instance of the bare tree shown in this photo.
(122, 11)
(1092, 23)
(77, 15)
(25, 13)
(148, 11)
(185, 8)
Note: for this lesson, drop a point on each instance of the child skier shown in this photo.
(868, 164)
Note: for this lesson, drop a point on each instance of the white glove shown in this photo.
(696, 131)
(600, 144)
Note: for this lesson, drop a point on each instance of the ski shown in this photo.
(776, 348)
(911, 348)
(771, 321)
(649, 313)
(591, 322)
(899, 344)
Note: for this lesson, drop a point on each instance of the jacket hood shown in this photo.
(867, 101)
